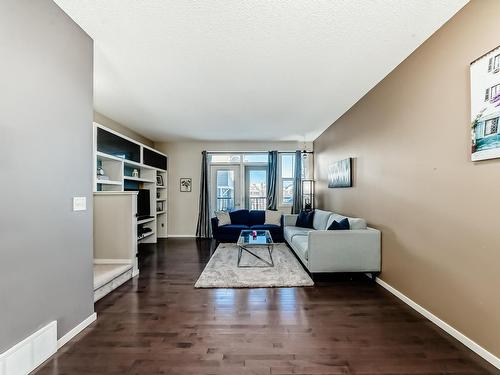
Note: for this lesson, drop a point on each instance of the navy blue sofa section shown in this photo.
(245, 219)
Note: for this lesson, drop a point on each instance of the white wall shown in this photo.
(184, 160)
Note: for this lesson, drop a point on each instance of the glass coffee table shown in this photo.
(253, 241)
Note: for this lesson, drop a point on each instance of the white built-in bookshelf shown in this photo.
(119, 174)
(122, 167)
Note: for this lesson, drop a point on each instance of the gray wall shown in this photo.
(45, 160)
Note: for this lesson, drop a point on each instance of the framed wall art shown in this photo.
(340, 174)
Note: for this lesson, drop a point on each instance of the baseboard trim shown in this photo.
(181, 236)
(31, 352)
(112, 261)
(472, 345)
(75, 331)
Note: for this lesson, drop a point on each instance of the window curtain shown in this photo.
(272, 175)
(203, 227)
(297, 184)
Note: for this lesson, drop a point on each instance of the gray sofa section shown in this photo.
(322, 250)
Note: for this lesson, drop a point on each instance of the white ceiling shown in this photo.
(246, 70)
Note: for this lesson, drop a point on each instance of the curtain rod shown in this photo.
(254, 152)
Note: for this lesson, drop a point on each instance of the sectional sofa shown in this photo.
(322, 250)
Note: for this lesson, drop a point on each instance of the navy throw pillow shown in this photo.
(305, 219)
(342, 225)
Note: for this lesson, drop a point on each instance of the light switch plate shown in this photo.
(79, 203)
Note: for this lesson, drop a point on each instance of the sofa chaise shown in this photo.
(322, 250)
(245, 219)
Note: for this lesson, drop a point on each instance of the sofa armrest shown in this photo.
(215, 226)
(356, 250)
(289, 220)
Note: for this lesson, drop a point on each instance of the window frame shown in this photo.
(282, 179)
(496, 64)
(248, 169)
(494, 91)
(494, 121)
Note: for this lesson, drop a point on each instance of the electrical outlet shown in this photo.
(79, 203)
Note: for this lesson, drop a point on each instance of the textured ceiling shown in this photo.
(246, 70)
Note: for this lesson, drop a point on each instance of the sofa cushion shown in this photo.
(320, 219)
(342, 225)
(357, 223)
(290, 232)
(305, 219)
(273, 217)
(223, 217)
(354, 222)
(300, 244)
(256, 217)
(239, 217)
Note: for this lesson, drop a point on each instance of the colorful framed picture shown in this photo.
(485, 106)
(185, 184)
(340, 174)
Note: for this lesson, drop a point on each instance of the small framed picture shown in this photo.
(159, 206)
(185, 184)
(159, 180)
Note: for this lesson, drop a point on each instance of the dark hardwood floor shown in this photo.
(160, 324)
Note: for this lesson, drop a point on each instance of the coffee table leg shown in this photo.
(240, 250)
(270, 251)
(269, 263)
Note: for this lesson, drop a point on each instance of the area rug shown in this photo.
(222, 271)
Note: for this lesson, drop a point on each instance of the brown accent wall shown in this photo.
(439, 213)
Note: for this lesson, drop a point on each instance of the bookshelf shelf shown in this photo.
(144, 236)
(138, 179)
(109, 182)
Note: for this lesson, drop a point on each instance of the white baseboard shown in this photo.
(112, 261)
(181, 236)
(472, 345)
(28, 354)
(75, 331)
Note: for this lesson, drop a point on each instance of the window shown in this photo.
(491, 126)
(225, 190)
(496, 63)
(494, 91)
(287, 188)
(256, 187)
(225, 158)
(287, 168)
(240, 179)
(255, 158)
(487, 95)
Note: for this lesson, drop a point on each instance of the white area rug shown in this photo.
(222, 271)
